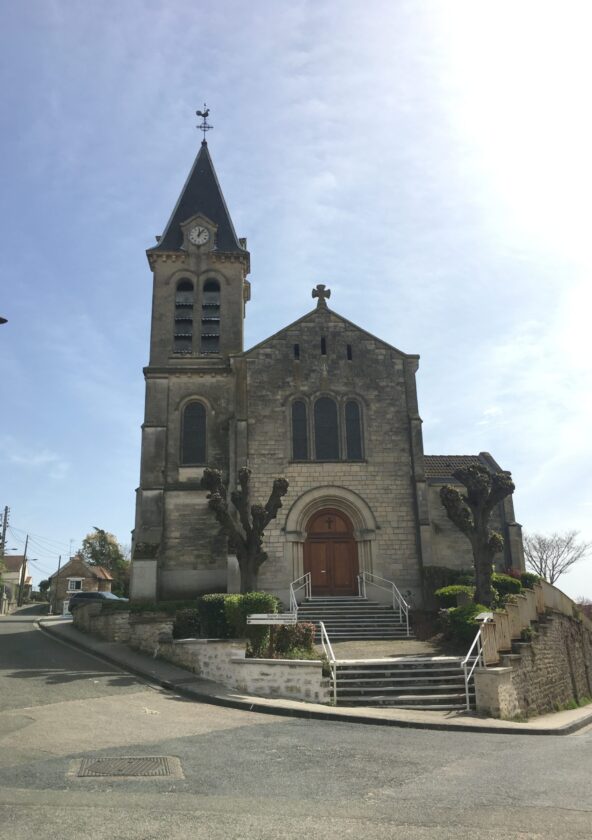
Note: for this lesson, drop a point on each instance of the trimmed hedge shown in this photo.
(212, 616)
(505, 585)
(448, 594)
(238, 607)
(460, 624)
(186, 624)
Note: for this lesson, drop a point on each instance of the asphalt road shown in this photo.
(247, 775)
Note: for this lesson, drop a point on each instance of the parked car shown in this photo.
(80, 598)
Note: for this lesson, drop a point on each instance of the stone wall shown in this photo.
(543, 675)
(220, 660)
(147, 630)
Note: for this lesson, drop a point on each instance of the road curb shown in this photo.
(331, 715)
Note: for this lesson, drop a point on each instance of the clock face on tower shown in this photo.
(199, 235)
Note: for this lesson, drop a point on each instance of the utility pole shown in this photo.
(57, 583)
(19, 603)
(4, 527)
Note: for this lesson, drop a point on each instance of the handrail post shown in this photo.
(328, 650)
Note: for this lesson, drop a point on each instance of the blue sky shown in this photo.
(428, 161)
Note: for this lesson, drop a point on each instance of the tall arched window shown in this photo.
(326, 430)
(210, 317)
(299, 431)
(193, 434)
(353, 431)
(183, 326)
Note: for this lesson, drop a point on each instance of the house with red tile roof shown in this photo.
(77, 576)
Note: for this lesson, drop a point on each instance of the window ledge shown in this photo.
(311, 461)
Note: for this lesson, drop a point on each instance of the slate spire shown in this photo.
(201, 194)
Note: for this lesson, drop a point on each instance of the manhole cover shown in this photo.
(125, 766)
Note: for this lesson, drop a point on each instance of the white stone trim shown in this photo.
(339, 498)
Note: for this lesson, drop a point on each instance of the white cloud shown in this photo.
(33, 459)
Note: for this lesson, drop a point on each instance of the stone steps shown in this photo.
(426, 683)
(349, 618)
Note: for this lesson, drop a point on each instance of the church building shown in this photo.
(321, 402)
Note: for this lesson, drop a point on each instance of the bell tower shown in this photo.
(200, 290)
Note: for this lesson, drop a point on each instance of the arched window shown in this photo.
(326, 430)
(183, 326)
(193, 434)
(210, 317)
(353, 431)
(299, 431)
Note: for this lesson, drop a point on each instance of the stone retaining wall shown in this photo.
(542, 675)
(220, 660)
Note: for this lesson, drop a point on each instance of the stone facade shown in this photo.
(247, 397)
(542, 675)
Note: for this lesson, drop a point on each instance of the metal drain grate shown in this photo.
(125, 766)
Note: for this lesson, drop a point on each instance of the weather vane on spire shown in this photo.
(205, 126)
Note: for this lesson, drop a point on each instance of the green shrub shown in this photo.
(461, 624)
(224, 616)
(212, 616)
(186, 624)
(238, 607)
(302, 653)
(447, 595)
(505, 585)
(528, 579)
(293, 637)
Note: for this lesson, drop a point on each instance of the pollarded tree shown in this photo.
(245, 536)
(471, 511)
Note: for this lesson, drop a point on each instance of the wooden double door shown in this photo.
(331, 554)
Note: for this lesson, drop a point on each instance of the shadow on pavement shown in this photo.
(56, 676)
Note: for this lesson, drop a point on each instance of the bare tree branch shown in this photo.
(551, 556)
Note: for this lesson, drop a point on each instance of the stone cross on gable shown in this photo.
(322, 294)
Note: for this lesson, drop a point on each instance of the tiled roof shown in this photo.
(13, 562)
(442, 466)
(100, 572)
(79, 563)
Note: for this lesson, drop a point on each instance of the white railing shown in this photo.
(400, 605)
(303, 582)
(475, 653)
(328, 651)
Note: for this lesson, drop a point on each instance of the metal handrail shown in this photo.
(479, 661)
(400, 605)
(328, 651)
(295, 586)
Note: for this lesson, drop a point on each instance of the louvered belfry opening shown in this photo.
(183, 325)
(210, 317)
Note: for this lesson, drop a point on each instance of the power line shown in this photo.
(59, 543)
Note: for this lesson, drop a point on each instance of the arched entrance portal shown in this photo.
(331, 553)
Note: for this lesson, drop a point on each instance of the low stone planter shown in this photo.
(224, 661)
(219, 660)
